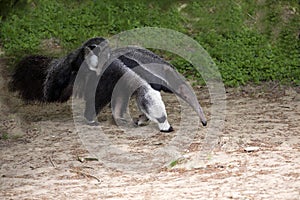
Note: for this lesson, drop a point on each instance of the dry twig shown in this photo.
(85, 174)
(51, 161)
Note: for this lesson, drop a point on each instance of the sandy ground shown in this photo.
(43, 155)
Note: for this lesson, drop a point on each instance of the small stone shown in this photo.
(80, 159)
(157, 143)
(251, 149)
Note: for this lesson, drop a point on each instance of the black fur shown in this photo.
(29, 76)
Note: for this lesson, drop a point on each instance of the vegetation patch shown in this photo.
(250, 41)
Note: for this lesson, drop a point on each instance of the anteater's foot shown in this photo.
(142, 120)
(125, 123)
(92, 123)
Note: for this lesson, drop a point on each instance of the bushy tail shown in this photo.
(29, 76)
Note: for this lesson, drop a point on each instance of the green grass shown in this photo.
(4, 136)
(173, 163)
(250, 41)
(72, 22)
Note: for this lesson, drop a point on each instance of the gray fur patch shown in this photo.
(161, 119)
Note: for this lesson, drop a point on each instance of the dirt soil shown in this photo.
(44, 157)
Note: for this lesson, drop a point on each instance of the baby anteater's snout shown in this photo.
(167, 131)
